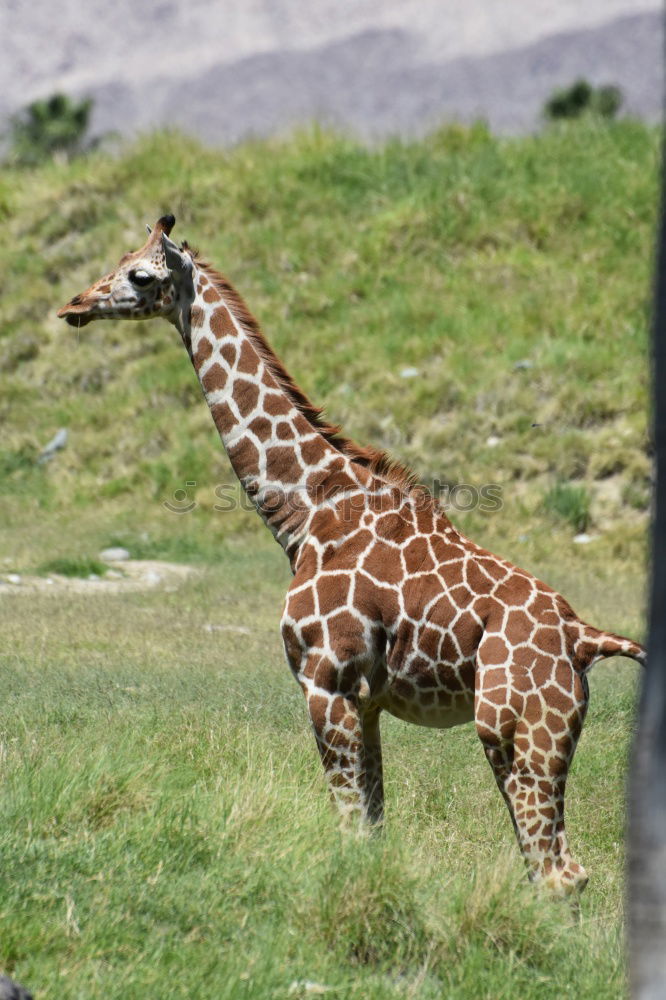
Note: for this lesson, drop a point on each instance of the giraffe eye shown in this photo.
(141, 278)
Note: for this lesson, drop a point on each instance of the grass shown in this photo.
(164, 828)
(181, 546)
(512, 274)
(571, 503)
(81, 566)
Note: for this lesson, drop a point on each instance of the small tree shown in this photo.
(56, 124)
(608, 101)
(570, 102)
(582, 97)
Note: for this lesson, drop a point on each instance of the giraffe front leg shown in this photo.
(373, 779)
(342, 731)
(338, 732)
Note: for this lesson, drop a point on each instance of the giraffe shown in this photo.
(390, 609)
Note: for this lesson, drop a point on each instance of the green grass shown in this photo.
(165, 830)
(177, 546)
(463, 256)
(569, 502)
(81, 566)
(164, 827)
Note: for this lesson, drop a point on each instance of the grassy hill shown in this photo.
(477, 306)
(512, 275)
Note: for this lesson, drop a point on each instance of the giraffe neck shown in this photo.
(278, 454)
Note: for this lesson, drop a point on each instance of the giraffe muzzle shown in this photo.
(76, 312)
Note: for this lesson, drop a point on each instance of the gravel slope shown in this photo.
(226, 70)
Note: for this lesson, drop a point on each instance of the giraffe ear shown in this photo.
(176, 261)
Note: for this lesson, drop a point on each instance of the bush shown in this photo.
(80, 566)
(571, 503)
(56, 124)
(608, 101)
(581, 97)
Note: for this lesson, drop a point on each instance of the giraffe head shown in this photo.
(152, 281)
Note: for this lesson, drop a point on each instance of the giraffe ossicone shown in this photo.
(390, 607)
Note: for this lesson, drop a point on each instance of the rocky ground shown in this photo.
(121, 576)
(377, 67)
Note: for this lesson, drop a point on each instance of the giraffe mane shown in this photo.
(378, 462)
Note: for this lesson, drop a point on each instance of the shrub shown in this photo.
(581, 97)
(82, 566)
(571, 503)
(56, 124)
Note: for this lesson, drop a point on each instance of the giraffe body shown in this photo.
(390, 607)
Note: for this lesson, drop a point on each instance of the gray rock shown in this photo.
(114, 554)
(9, 990)
(57, 443)
(240, 629)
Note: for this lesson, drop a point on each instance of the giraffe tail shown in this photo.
(592, 645)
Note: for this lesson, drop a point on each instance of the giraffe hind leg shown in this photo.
(530, 752)
(536, 807)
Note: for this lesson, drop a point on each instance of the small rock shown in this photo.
(493, 441)
(524, 365)
(240, 629)
(49, 580)
(304, 987)
(583, 538)
(93, 576)
(152, 578)
(13, 578)
(409, 373)
(9, 990)
(57, 443)
(115, 554)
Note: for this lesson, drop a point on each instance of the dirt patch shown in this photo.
(121, 577)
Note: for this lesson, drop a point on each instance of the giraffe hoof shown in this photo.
(568, 883)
